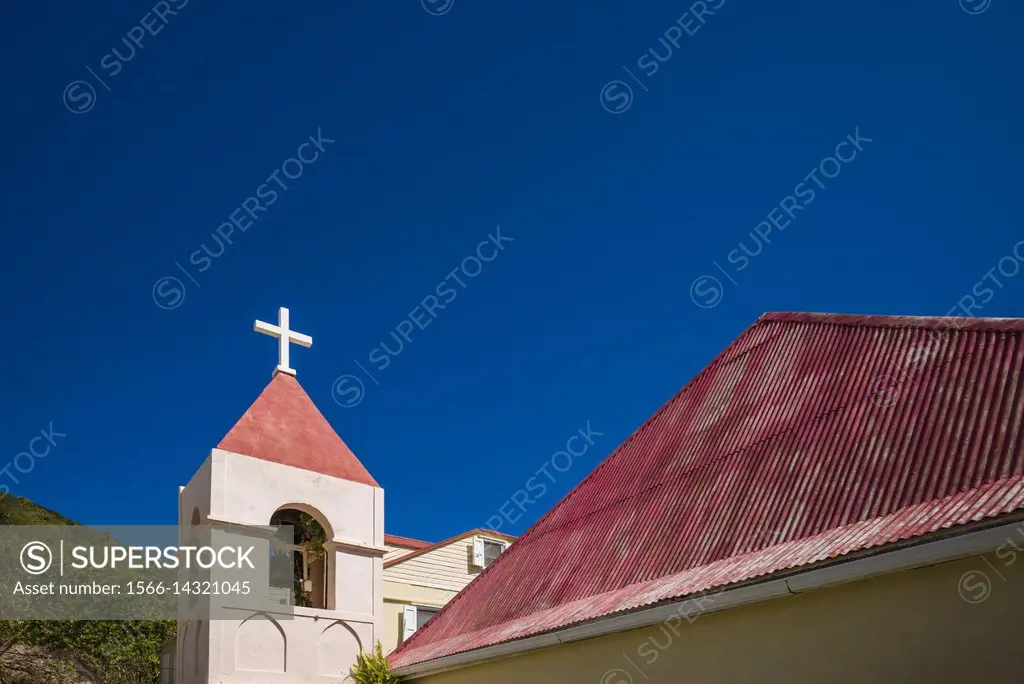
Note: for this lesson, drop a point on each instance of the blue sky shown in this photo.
(647, 203)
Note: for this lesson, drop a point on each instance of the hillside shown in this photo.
(15, 510)
(75, 652)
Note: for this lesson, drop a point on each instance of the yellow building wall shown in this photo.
(912, 627)
(399, 595)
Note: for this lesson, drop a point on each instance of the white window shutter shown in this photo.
(478, 552)
(408, 622)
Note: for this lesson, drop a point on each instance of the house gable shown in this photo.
(447, 565)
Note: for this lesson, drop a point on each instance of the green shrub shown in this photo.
(372, 668)
(105, 651)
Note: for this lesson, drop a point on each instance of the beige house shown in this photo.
(834, 498)
(420, 577)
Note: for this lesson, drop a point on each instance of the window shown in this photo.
(486, 550)
(491, 551)
(414, 617)
(424, 614)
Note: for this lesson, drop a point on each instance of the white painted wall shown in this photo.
(190, 654)
(316, 645)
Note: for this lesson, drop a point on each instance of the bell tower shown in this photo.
(282, 463)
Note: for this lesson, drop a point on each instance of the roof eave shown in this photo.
(964, 542)
(399, 541)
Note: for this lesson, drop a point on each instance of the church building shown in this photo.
(834, 498)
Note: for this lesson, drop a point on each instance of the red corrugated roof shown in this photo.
(406, 542)
(810, 437)
(284, 426)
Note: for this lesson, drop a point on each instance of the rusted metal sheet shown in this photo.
(809, 437)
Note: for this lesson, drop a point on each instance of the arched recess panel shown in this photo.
(337, 650)
(260, 645)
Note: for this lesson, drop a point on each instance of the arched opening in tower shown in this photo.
(309, 561)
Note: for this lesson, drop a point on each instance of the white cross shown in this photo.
(284, 338)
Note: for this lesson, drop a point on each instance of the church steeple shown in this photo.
(284, 426)
(280, 463)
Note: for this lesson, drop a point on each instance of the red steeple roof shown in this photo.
(284, 426)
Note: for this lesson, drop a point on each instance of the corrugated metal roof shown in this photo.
(406, 542)
(809, 437)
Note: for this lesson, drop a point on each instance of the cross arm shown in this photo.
(267, 329)
(300, 339)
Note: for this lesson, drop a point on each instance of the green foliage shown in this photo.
(372, 668)
(103, 651)
(14, 510)
(311, 537)
(111, 652)
(311, 534)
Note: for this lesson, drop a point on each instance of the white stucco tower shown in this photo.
(283, 457)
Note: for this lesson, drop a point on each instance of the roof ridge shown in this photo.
(974, 323)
